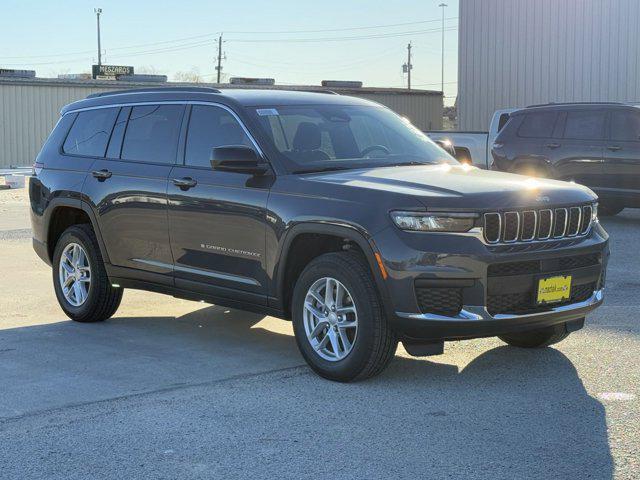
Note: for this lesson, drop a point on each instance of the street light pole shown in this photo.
(442, 5)
(98, 11)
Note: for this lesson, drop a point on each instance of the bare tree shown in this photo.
(192, 76)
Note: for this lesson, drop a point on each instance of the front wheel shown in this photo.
(338, 320)
(540, 338)
(79, 278)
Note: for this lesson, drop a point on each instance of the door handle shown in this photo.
(185, 183)
(614, 148)
(552, 145)
(101, 175)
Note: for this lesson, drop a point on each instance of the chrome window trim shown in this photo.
(535, 225)
(504, 233)
(177, 102)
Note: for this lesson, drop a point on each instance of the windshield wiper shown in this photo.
(321, 169)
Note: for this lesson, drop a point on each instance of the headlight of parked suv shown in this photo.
(594, 212)
(434, 222)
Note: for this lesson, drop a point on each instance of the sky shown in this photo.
(295, 42)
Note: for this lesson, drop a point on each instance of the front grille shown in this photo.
(544, 224)
(523, 303)
(441, 301)
(532, 267)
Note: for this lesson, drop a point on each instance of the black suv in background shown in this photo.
(331, 211)
(594, 144)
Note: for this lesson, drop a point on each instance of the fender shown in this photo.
(78, 204)
(350, 232)
(535, 161)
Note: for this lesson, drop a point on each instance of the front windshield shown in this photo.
(335, 137)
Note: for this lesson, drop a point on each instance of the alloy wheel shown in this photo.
(74, 273)
(330, 319)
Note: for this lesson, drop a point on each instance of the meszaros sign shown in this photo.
(110, 71)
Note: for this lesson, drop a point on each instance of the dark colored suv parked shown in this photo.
(595, 144)
(327, 210)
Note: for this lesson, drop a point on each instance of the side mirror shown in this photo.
(237, 158)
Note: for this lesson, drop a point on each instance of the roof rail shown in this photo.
(552, 104)
(155, 90)
(309, 90)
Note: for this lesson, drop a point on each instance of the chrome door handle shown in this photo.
(185, 183)
(552, 145)
(614, 148)
(101, 174)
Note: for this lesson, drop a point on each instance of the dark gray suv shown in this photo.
(330, 211)
(595, 144)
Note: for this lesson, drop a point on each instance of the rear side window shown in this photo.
(537, 125)
(584, 125)
(152, 134)
(211, 127)
(90, 132)
(625, 126)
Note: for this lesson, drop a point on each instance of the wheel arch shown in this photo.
(342, 235)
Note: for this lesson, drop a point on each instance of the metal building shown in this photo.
(514, 53)
(29, 108)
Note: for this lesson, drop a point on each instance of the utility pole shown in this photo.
(406, 68)
(443, 5)
(98, 11)
(219, 66)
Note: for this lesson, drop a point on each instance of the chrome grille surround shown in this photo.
(548, 224)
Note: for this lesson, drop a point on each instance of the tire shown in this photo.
(101, 300)
(609, 209)
(541, 338)
(373, 343)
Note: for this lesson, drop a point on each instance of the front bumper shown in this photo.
(466, 263)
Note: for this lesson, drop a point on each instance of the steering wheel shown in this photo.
(370, 149)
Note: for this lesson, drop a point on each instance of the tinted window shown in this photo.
(537, 125)
(625, 126)
(90, 132)
(113, 151)
(211, 127)
(152, 133)
(584, 125)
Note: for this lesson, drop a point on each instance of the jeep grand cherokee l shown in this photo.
(594, 144)
(327, 210)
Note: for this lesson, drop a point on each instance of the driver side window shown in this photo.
(211, 127)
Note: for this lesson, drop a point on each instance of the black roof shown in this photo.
(234, 96)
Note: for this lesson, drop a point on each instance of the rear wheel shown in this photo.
(338, 320)
(540, 338)
(79, 278)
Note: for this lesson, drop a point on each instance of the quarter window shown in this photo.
(537, 125)
(211, 127)
(625, 126)
(152, 133)
(90, 132)
(584, 125)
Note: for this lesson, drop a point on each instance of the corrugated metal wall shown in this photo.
(30, 109)
(514, 53)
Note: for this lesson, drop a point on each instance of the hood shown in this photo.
(461, 187)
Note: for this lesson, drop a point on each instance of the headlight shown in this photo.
(434, 222)
(594, 212)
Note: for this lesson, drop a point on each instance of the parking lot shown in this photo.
(176, 389)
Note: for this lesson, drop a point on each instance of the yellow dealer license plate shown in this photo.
(554, 289)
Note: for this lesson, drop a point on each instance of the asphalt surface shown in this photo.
(177, 389)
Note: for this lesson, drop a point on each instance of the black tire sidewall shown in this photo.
(361, 294)
(76, 235)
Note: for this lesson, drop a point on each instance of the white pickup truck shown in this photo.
(473, 147)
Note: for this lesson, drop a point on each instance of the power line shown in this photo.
(339, 39)
(210, 35)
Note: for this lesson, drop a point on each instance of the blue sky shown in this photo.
(169, 37)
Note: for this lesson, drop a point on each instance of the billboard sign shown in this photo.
(110, 72)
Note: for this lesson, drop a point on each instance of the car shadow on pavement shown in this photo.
(525, 412)
(509, 413)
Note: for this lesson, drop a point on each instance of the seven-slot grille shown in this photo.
(544, 224)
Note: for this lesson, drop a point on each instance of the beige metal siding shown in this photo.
(514, 53)
(30, 109)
